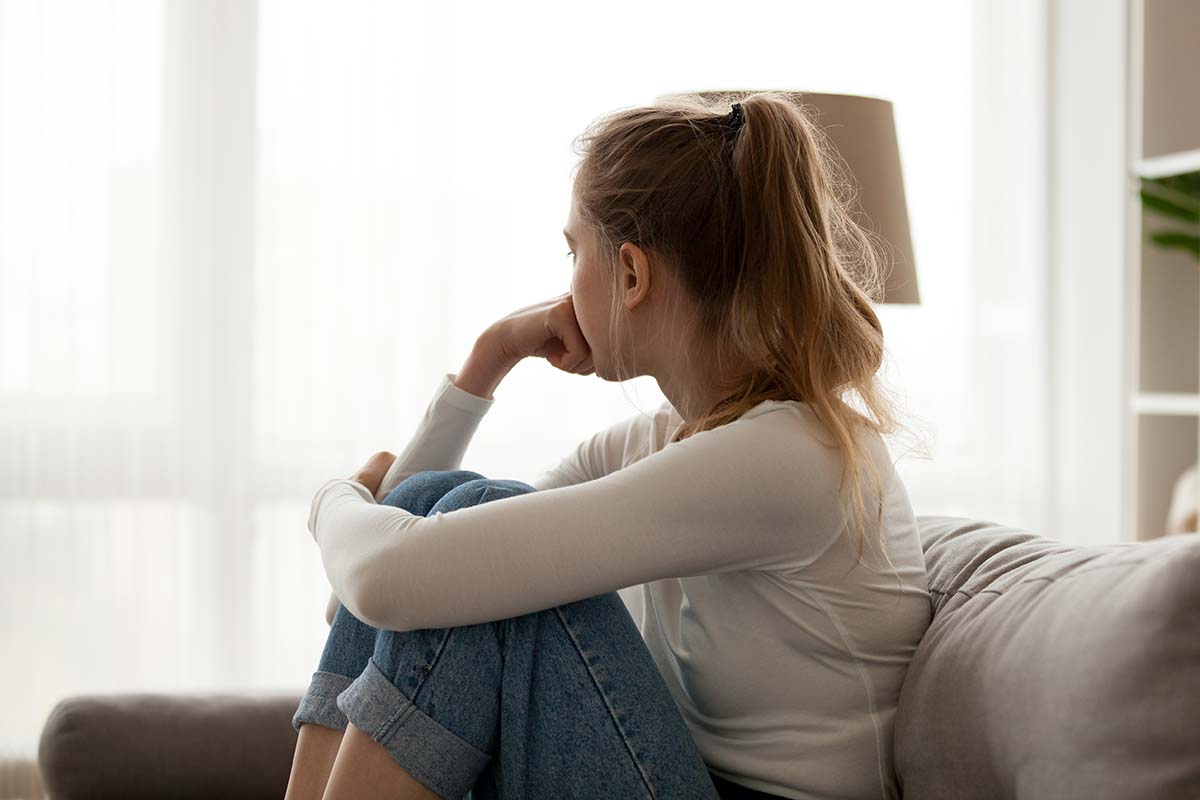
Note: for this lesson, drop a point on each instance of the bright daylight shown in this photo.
(689, 401)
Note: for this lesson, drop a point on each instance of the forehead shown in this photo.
(573, 227)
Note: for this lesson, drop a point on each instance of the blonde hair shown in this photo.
(756, 225)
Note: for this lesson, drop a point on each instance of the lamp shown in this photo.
(863, 131)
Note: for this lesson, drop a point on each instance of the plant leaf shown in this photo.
(1187, 183)
(1177, 240)
(1169, 208)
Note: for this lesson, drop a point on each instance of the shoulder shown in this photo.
(644, 432)
(784, 453)
(630, 439)
(774, 420)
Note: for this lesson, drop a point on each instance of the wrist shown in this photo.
(491, 346)
(484, 368)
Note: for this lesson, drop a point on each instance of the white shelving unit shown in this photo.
(1163, 365)
(1170, 164)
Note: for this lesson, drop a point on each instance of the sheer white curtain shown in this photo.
(241, 242)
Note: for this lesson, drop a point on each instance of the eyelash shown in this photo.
(570, 253)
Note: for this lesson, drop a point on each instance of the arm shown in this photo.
(607, 451)
(749, 495)
(331, 607)
(453, 415)
(620, 444)
(458, 405)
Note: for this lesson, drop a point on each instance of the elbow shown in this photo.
(385, 610)
(384, 619)
(331, 608)
(379, 587)
(353, 585)
(364, 613)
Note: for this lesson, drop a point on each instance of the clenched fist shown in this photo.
(549, 330)
(371, 474)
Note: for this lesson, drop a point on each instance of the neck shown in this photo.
(692, 392)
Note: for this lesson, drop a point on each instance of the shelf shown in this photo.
(1172, 441)
(1167, 403)
(1172, 164)
(1163, 364)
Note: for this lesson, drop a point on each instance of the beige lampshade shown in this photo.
(863, 130)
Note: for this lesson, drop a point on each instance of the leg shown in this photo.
(563, 702)
(347, 649)
(365, 770)
(316, 750)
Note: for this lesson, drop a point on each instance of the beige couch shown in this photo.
(1050, 671)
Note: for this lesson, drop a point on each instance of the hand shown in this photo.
(371, 474)
(549, 330)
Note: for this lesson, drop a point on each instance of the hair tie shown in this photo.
(736, 117)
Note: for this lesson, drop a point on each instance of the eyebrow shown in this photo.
(569, 239)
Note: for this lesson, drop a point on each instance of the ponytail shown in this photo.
(756, 222)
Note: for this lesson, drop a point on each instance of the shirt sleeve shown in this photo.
(442, 435)
(745, 496)
(622, 443)
(439, 442)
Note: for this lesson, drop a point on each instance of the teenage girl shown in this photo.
(773, 587)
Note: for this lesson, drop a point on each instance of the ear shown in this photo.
(635, 274)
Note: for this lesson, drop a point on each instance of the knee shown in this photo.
(479, 491)
(420, 491)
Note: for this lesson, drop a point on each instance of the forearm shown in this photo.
(445, 430)
(483, 370)
(485, 367)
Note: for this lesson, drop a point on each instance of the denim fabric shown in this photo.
(563, 702)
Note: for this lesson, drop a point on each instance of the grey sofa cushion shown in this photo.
(1053, 670)
(179, 745)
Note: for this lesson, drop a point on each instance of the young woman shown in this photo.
(755, 520)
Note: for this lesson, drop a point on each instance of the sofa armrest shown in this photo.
(179, 745)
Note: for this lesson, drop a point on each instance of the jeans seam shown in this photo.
(427, 671)
(394, 721)
(604, 696)
(389, 725)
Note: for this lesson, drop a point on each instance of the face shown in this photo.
(591, 293)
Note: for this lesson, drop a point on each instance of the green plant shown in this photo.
(1176, 197)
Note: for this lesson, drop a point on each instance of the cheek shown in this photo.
(591, 305)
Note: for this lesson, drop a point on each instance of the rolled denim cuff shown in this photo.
(422, 746)
(319, 703)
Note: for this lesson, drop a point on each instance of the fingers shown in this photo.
(561, 360)
(381, 460)
(584, 367)
(371, 474)
(577, 348)
(564, 344)
(562, 323)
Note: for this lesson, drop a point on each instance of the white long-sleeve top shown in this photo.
(729, 549)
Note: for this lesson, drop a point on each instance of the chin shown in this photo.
(609, 374)
(604, 372)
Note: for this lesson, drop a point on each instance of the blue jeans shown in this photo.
(563, 702)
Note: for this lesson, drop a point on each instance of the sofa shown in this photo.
(1049, 671)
